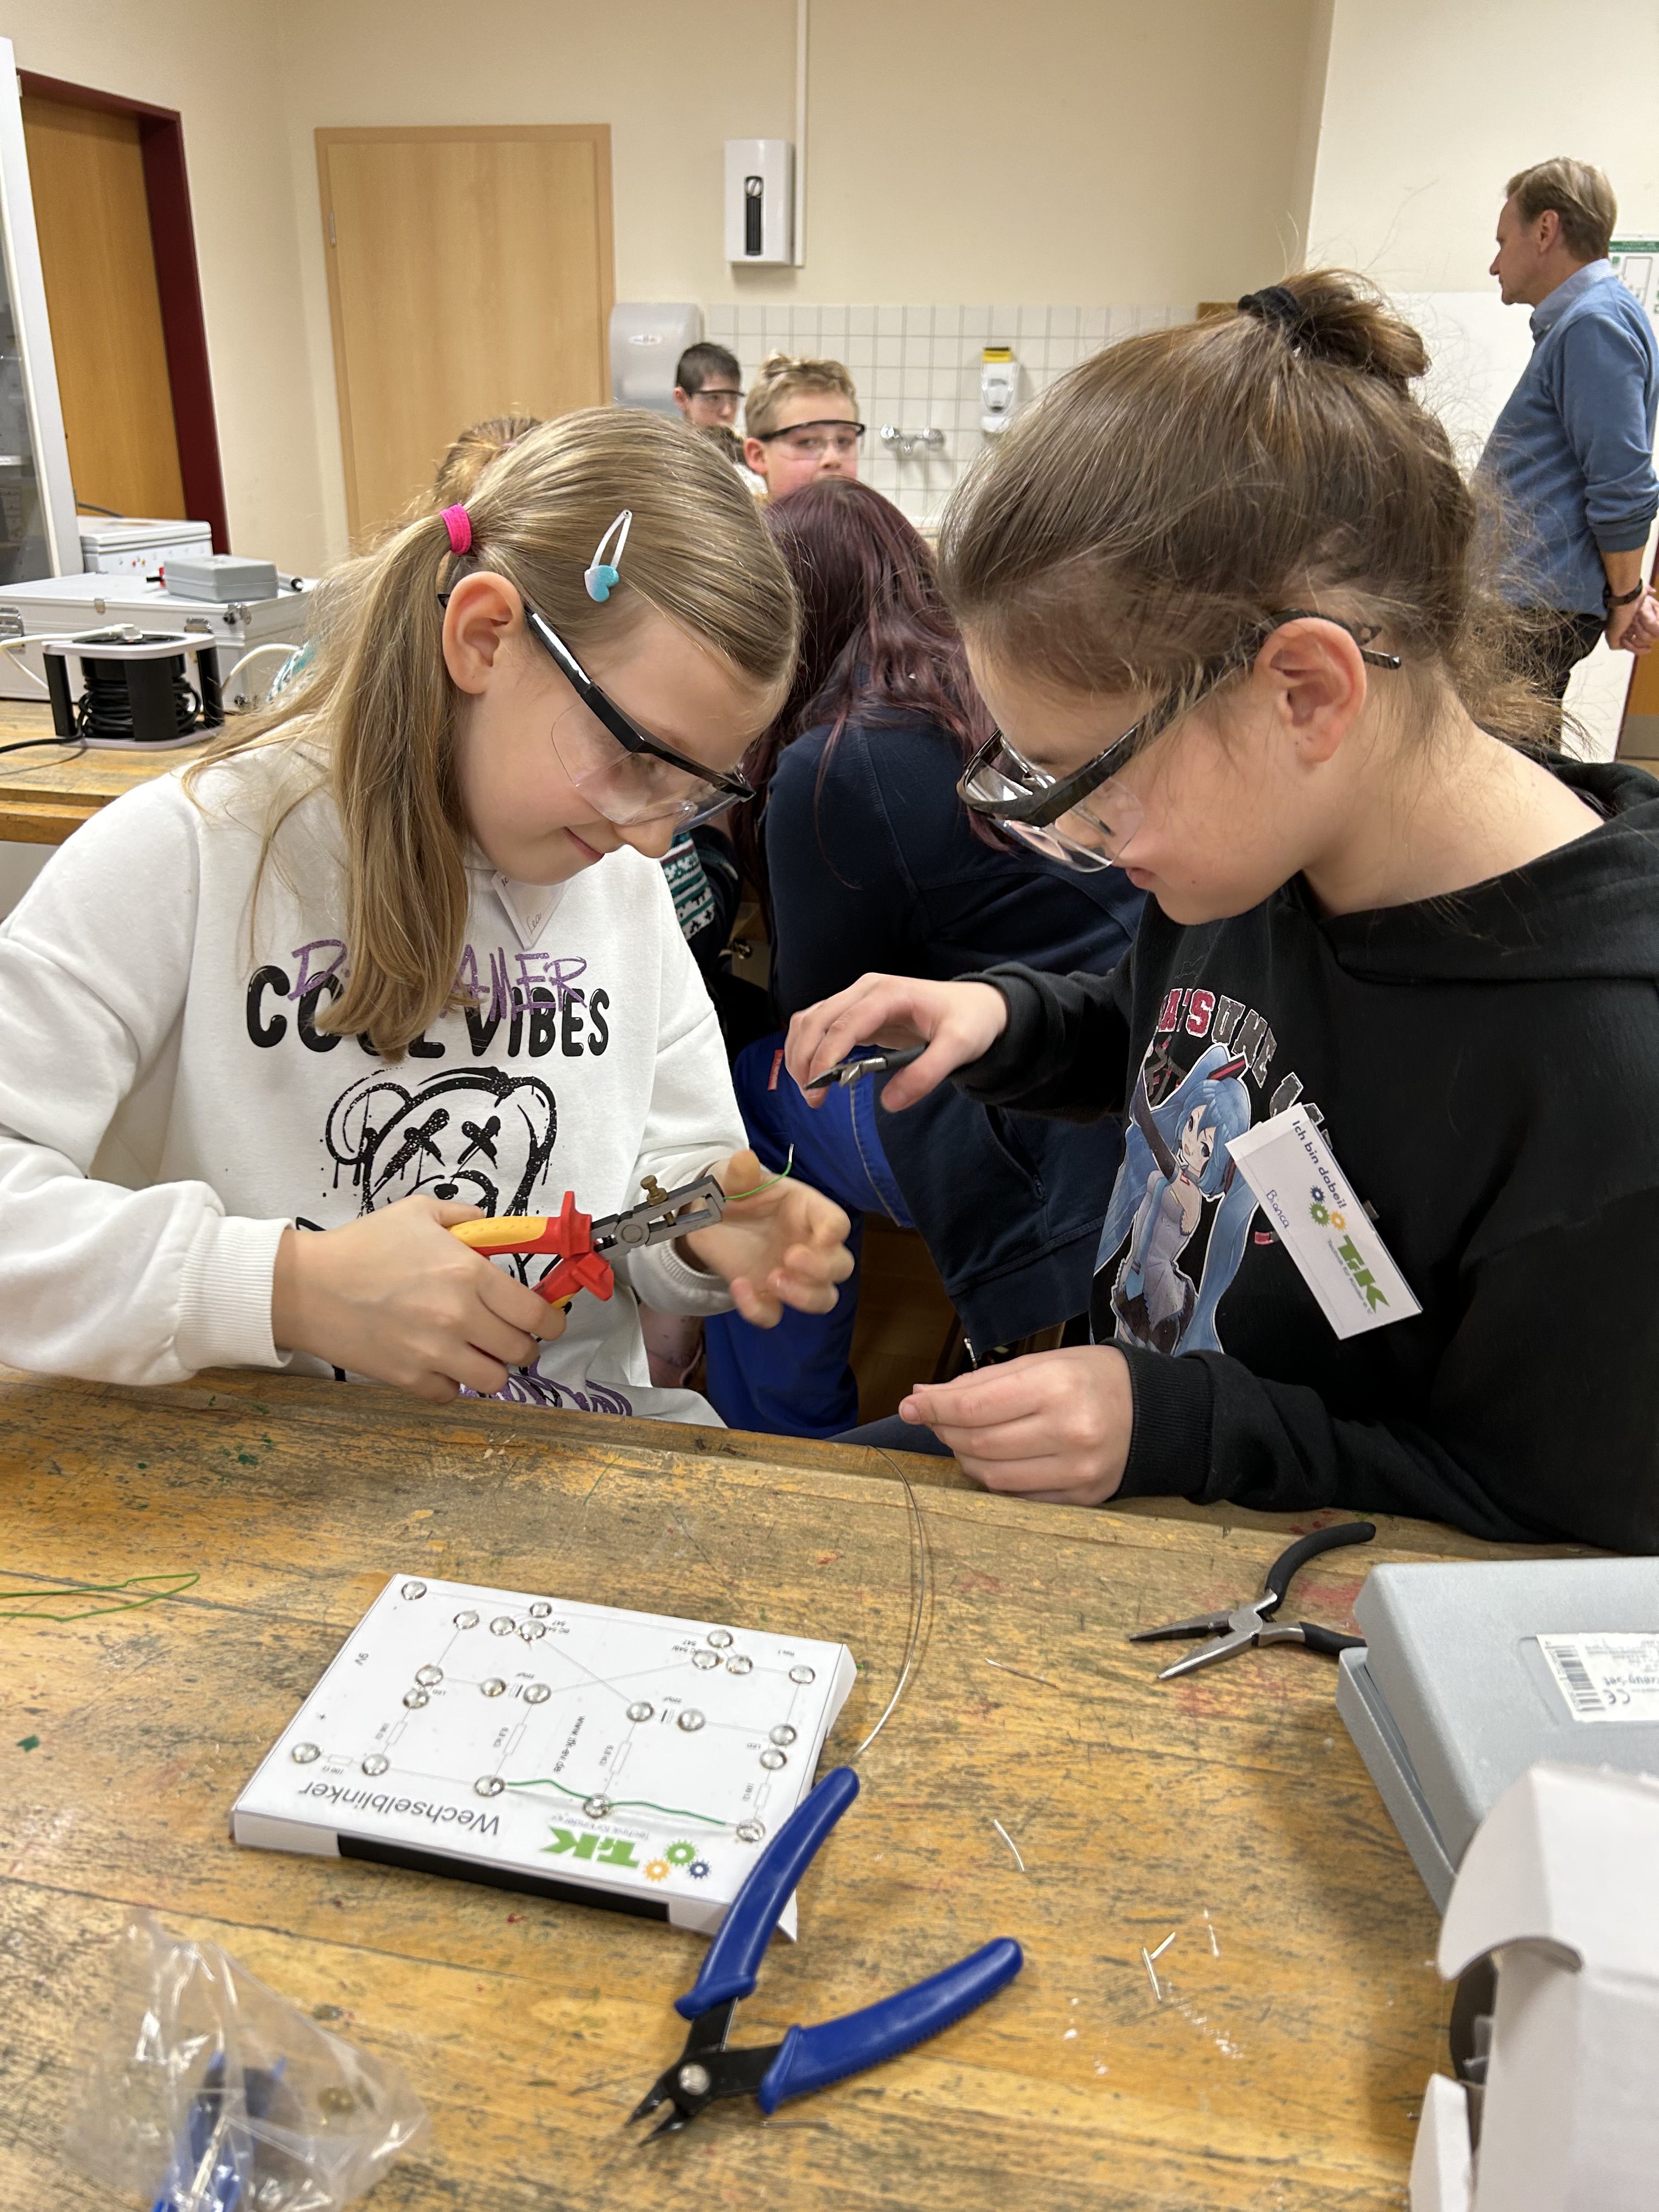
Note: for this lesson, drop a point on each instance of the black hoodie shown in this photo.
(1487, 1071)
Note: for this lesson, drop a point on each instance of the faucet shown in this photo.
(906, 441)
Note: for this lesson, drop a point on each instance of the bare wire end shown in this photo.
(1011, 1844)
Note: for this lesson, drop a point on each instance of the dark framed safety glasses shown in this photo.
(813, 437)
(626, 776)
(1086, 819)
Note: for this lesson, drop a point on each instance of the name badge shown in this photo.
(1321, 1224)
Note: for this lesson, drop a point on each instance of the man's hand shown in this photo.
(1635, 629)
(396, 1298)
(1054, 1426)
(957, 1021)
(787, 1246)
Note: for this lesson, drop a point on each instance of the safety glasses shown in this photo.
(625, 775)
(803, 438)
(1086, 819)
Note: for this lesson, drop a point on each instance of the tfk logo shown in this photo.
(1327, 1217)
(617, 1851)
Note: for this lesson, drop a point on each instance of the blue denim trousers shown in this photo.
(795, 1380)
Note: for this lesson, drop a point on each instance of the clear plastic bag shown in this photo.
(212, 2093)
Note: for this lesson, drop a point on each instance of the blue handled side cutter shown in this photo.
(808, 2058)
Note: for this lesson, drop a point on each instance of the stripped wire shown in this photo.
(921, 1590)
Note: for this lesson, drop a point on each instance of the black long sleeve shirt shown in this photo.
(1486, 1071)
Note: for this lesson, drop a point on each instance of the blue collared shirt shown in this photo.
(1573, 451)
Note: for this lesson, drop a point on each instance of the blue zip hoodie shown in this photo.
(1573, 451)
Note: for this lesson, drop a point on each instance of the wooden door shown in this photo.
(91, 212)
(469, 274)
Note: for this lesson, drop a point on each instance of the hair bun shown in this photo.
(1332, 316)
(778, 364)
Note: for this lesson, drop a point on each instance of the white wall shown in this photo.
(1070, 149)
(1429, 107)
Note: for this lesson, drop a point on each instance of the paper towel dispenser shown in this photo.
(647, 340)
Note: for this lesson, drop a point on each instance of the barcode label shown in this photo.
(1605, 1677)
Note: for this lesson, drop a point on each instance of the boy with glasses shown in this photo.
(801, 422)
(707, 386)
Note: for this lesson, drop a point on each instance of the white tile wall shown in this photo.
(919, 366)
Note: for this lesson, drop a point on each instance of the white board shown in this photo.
(544, 1743)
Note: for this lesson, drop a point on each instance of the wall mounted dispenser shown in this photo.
(998, 388)
(760, 186)
(647, 340)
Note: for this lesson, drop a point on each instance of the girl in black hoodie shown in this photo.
(1220, 592)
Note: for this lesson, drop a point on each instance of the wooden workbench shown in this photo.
(1282, 2069)
(47, 793)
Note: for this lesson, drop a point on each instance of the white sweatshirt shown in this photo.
(168, 1107)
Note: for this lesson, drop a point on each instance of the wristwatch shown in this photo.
(1611, 598)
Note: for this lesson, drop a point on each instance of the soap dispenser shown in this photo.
(998, 388)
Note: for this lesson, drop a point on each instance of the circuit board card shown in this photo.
(577, 1750)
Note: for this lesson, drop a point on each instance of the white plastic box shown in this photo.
(132, 546)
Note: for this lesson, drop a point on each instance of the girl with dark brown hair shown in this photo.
(866, 859)
(1388, 1044)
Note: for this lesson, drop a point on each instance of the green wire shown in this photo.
(618, 1804)
(30, 1611)
(732, 1196)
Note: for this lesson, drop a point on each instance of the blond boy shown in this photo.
(800, 422)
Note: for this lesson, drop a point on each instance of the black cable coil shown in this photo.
(104, 712)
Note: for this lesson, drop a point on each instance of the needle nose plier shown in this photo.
(580, 1242)
(1253, 1622)
(808, 2058)
(869, 1059)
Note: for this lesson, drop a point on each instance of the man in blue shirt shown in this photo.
(1572, 451)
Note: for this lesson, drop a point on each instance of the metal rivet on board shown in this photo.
(641, 1712)
(488, 1785)
(691, 1720)
(428, 1677)
(536, 1694)
(740, 1663)
(493, 1687)
(540, 1610)
(775, 1760)
(705, 1659)
(414, 1699)
(468, 1619)
(750, 1832)
(414, 1589)
(531, 1630)
(719, 1637)
(376, 1763)
(783, 1732)
(596, 1808)
(303, 1753)
(502, 1626)
(802, 1674)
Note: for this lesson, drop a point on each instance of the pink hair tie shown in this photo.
(458, 523)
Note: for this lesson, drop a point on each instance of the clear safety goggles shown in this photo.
(626, 776)
(811, 440)
(1086, 820)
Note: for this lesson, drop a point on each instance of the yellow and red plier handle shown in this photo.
(568, 1233)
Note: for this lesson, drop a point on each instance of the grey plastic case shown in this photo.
(1453, 1662)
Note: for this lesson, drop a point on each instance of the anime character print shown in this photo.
(1179, 1221)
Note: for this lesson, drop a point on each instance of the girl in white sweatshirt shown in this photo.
(398, 952)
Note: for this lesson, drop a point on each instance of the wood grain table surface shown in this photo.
(48, 791)
(1300, 2012)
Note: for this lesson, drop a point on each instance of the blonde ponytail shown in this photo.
(379, 703)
